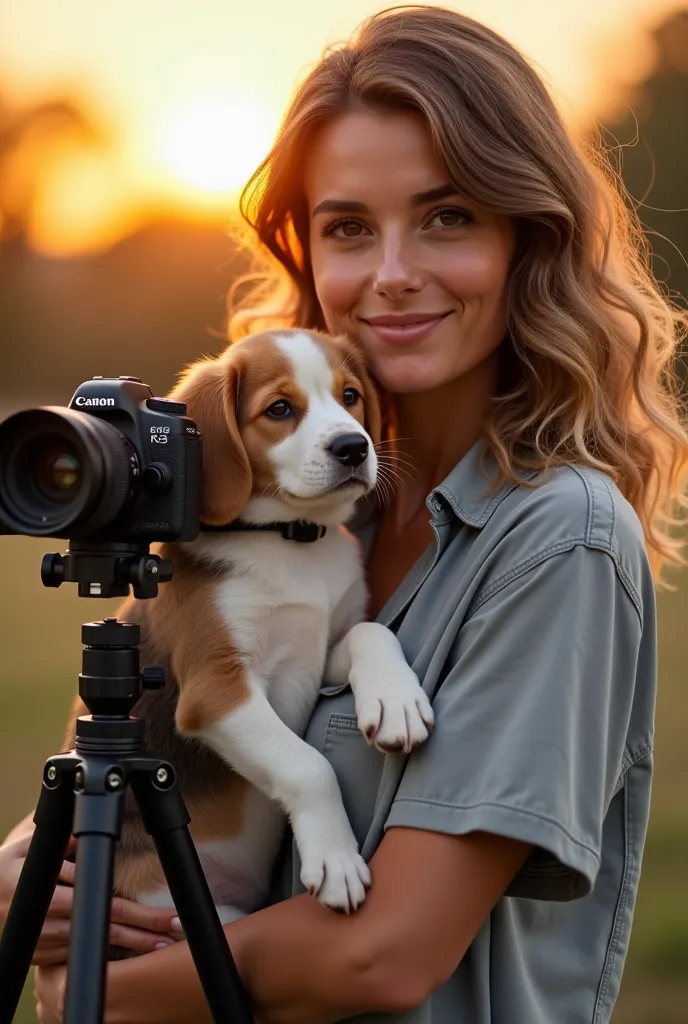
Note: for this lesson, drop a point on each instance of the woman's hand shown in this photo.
(132, 925)
(49, 991)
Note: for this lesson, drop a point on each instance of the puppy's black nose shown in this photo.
(349, 449)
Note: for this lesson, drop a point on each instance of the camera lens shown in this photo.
(59, 474)
(63, 473)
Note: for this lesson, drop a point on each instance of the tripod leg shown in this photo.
(37, 881)
(97, 825)
(166, 819)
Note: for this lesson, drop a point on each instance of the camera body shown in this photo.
(116, 465)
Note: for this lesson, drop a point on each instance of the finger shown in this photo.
(67, 872)
(61, 903)
(138, 940)
(151, 919)
(55, 932)
(49, 957)
(21, 845)
(49, 992)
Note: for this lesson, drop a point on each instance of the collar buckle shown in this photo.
(302, 531)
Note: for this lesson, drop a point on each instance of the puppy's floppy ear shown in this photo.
(209, 389)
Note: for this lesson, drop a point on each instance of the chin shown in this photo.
(330, 499)
(410, 379)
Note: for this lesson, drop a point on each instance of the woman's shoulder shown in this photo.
(582, 503)
(573, 506)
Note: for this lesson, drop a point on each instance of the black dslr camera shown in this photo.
(116, 465)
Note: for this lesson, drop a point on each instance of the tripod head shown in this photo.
(110, 684)
(107, 569)
(111, 681)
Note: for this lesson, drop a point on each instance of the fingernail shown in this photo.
(175, 924)
(163, 945)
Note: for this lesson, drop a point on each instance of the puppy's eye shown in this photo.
(350, 396)
(279, 410)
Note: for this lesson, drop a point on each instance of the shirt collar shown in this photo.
(465, 493)
(468, 492)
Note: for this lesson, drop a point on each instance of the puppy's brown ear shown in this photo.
(209, 389)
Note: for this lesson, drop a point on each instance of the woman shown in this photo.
(424, 197)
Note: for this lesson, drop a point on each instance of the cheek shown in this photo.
(338, 285)
(476, 272)
(260, 437)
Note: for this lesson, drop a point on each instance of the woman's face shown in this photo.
(401, 260)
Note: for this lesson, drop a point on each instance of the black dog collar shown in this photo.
(299, 530)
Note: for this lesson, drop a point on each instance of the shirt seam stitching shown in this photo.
(556, 549)
(613, 551)
(630, 760)
(503, 807)
(617, 926)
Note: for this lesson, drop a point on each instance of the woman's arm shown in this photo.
(305, 964)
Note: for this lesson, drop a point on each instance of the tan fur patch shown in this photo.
(349, 370)
(267, 377)
(135, 876)
(207, 665)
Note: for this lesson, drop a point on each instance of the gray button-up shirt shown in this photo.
(531, 624)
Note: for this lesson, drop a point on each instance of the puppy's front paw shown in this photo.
(338, 878)
(394, 714)
(331, 867)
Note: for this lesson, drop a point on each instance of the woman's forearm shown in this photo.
(155, 988)
(293, 958)
(304, 964)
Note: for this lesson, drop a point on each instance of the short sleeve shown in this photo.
(531, 720)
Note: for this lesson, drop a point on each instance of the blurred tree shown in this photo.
(26, 135)
(650, 149)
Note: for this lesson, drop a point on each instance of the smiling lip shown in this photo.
(404, 328)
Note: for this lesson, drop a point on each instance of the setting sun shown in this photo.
(213, 144)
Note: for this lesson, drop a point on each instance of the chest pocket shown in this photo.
(333, 730)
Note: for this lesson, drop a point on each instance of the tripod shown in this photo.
(83, 794)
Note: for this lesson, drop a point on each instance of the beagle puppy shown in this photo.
(255, 620)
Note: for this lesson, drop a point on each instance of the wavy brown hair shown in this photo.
(586, 371)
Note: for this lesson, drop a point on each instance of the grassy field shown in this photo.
(40, 662)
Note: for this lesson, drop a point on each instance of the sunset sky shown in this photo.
(191, 91)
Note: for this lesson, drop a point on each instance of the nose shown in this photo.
(395, 274)
(349, 449)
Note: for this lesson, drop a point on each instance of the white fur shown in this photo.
(287, 605)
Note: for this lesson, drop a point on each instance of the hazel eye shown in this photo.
(280, 410)
(350, 396)
(450, 217)
(344, 228)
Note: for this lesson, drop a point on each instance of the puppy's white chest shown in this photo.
(279, 600)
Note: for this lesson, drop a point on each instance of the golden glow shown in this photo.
(195, 97)
(84, 205)
(212, 144)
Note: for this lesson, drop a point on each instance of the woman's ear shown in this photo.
(209, 388)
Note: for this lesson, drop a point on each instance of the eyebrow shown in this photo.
(352, 206)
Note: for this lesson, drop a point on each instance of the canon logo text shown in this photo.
(94, 401)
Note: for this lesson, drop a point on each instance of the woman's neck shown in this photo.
(435, 430)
